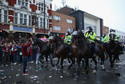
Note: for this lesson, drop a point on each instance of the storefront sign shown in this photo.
(23, 29)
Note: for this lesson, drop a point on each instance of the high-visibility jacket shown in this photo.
(116, 37)
(67, 39)
(107, 38)
(91, 35)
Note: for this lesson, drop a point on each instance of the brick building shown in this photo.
(105, 30)
(84, 19)
(62, 22)
(21, 18)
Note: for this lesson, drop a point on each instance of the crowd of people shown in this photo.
(11, 53)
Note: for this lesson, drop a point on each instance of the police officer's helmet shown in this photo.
(67, 33)
(104, 34)
(112, 30)
(90, 28)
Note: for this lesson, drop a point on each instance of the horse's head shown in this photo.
(52, 39)
(112, 36)
(36, 41)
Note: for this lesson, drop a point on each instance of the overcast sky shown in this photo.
(111, 11)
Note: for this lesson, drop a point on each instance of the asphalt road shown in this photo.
(12, 74)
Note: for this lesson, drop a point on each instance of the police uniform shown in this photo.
(67, 39)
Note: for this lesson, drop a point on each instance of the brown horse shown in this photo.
(61, 51)
(100, 52)
(84, 52)
(113, 49)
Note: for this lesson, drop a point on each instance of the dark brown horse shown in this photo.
(113, 49)
(100, 52)
(84, 52)
(61, 51)
(45, 50)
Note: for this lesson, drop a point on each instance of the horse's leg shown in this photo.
(41, 59)
(61, 65)
(95, 64)
(46, 56)
(77, 68)
(73, 61)
(69, 60)
(102, 61)
(110, 58)
(87, 65)
(57, 61)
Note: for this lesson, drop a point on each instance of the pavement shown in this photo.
(12, 74)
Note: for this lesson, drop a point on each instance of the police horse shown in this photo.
(61, 51)
(45, 50)
(84, 52)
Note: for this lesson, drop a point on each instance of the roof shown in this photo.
(65, 10)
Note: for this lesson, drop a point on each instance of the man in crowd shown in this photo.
(25, 53)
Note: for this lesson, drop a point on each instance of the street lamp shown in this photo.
(44, 17)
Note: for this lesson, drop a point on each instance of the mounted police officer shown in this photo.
(67, 41)
(91, 36)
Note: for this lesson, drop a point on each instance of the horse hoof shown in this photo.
(94, 72)
(103, 67)
(117, 74)
(61, 76)
(76, 78)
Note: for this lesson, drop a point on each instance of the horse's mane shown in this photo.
(39, 41)
(81, 40)
(59, 39)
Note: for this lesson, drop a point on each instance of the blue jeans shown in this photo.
(31, 58)
(25, 59)
(14, 58)
(19, 58)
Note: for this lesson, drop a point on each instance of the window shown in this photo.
(0, 15)
(25, 19)
(15, 18)
(37, 22)
(106, 30)
(5, 16)
(47, 23)
(57, 28)
(41, 22)
(56, 18)
(30, 22)
(69, 21)
(69, 29)
(23, 3)
(40, 7)
(21, 18)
